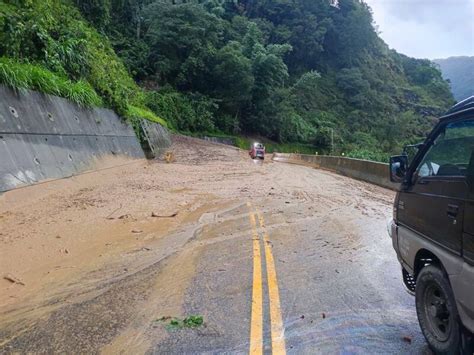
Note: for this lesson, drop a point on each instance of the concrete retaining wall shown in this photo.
(365, 170)
(45, 137)
(157, 137)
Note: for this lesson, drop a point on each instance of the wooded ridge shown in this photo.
(289, 70)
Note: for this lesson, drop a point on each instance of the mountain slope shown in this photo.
(290, 70)
(49, 47)
(460, 72)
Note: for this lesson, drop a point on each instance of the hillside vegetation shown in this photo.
(460, 72)
(294, 71)
(48, 46)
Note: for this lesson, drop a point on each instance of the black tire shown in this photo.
(437, 312)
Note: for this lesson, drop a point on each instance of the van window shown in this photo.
(451, 153)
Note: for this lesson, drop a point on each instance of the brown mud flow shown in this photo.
(102, 256)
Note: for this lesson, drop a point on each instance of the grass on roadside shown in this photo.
(134, 112)
(272, 147)
(20, 76)
(194, 321)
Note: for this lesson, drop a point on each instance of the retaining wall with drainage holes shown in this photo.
(47, 137)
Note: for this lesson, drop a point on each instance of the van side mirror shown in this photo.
(398, 168)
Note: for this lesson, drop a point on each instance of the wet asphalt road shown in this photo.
(339, 284)
(336, 285)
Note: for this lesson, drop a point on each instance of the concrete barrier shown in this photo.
(157, 138)
(47, 137)
(365, 170)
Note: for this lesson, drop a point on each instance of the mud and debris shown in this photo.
(13, 279)
(157, 215)
(172, 237)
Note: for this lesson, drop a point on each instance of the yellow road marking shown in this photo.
(278, 331)
(256, 322)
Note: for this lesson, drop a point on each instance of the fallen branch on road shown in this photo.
(13, 279)
(110, 215)
(153, 214)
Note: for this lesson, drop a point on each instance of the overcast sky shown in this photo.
(426, 28)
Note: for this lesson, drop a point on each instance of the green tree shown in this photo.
(182, 39)
(95, 11)
(290, 70)
(233, 79)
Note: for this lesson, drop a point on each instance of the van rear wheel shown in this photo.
(437, 312)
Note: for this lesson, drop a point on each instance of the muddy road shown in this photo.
(270, 256)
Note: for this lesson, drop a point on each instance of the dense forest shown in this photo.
(298, 71)
(460, 72)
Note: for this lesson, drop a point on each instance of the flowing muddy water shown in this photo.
(104, 255)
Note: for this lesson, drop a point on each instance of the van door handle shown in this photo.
(423, 182)
(453, 211)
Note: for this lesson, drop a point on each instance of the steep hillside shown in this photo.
(290, 70)
(460, 72)
(293, 71)
(48, 46)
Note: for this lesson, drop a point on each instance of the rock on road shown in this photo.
(273, 257)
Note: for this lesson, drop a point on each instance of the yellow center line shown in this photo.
(256, 322)
(277, 329)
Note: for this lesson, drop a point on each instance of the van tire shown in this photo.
(437, 312)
